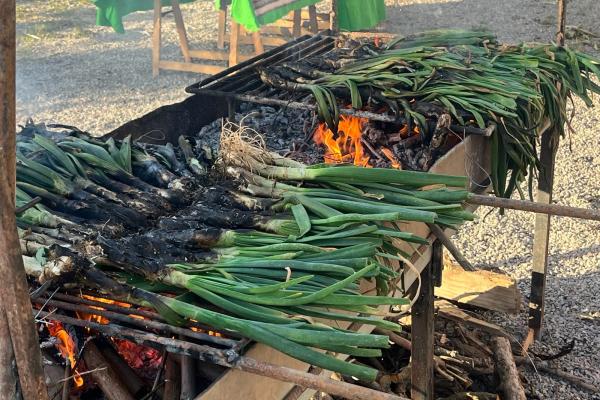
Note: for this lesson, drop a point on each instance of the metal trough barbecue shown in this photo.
(219, 96)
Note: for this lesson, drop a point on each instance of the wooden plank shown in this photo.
(422, 331)
(283, 23)
(234, 43)
(215, 55)
(541, 239)
(484, 289)
(451, 312)
(156, 38)
(266, 40)
(181, 33)
(276, 30)
(190, 67)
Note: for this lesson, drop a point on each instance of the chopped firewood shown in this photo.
(510, 383)
(484, 289)
(451, 312)
(109, 381)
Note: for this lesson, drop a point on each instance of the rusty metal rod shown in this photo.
(28, 205)
(205, 353)
(142, 323)
(229, 358)
(135, 311)
(539, 208)
(468, 130)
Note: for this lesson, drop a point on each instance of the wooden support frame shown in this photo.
(279, 33)
(541, 239)
(20, 347)
(422, 330)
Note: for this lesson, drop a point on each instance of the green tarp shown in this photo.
(352, 15)
(111, 12)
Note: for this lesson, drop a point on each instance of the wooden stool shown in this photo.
(272, 35)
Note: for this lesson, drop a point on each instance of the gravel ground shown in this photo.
(72, 72)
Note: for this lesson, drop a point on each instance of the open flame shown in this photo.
(67, 348)
(348, 145)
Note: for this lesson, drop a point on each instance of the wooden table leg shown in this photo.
(156, 39)
(180, 26)
(297, 27)
(422, 331)
(541, 238)
(234, 43)
(222, 23)
(258, 45)
(312, 19)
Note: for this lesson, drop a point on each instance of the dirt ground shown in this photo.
(73, 72)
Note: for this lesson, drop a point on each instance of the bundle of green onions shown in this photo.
(470, 75)
(266, 253)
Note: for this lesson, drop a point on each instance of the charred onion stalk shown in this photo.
(108, 183)
(271, 250)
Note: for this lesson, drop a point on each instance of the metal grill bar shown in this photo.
(243, 83)
(141, 323)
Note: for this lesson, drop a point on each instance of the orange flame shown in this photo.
(66, 347)
(347, 146)
(99, 319)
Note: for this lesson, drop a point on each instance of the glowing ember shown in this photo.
(346, 146)
(145, 360)
(67, 347)
(390, 156)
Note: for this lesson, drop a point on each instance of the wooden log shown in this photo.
(506, 369)
(172, 389)
(14, 297)
(188, 378)
(450, 312)
(536, 207)
(330, 386)
(109, 381)
(484, 289)
(135, 384)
